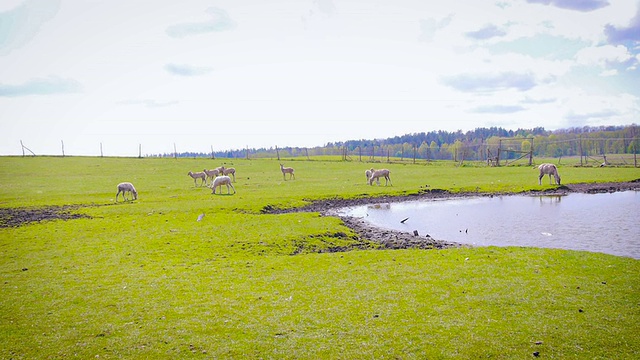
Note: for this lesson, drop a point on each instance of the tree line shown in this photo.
(478, 144)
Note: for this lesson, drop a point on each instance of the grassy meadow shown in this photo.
(145, 279)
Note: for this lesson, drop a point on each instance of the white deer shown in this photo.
(222, 180)
(548, 169)
(380, 173)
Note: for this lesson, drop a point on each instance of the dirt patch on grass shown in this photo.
(12, 217)
(391, 239)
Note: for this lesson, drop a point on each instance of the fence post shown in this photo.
(635, 151)
(26, 148)
(580, 148)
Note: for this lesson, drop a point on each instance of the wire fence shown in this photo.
(495, 152)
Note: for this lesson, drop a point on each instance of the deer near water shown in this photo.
(548, 169)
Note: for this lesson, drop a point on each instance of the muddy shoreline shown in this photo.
(388, 239)
(392, 239)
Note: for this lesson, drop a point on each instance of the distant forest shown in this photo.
(479, 144)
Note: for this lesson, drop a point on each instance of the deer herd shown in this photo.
(227, 176)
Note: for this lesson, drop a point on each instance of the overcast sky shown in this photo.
(232, 74)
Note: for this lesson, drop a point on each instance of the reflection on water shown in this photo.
(605, 223)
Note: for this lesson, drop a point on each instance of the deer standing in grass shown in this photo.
(548, 169)
(287, 170)
(377, 174)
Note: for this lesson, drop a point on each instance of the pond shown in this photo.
(607, 223)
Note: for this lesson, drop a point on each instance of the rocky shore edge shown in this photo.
(392, 239)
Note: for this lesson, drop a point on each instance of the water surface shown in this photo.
(608, 223)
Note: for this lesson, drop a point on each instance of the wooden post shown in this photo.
(62, 147)
(278, 152)
(531, 153)
(175, 151)
(101, 155)
(306, 150)
(213, 156)
(455, 152)
(26, 148)
(498, 156)
(635, 151)
(580, 148)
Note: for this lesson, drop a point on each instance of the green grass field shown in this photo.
(145, 279)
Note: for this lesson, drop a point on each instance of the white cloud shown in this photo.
(603, 55)
(149, 103)
(325, 6)
(584, 108)
(45, 86)
(21, 24)
(486, 32)
(429, 27)
(581, 118)
(578, 5)
(498, 109)
(491, 82)
(187, 70)
(218, 20)
(610, 72)
(620, 34)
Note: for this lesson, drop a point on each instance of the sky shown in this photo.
(218, 74)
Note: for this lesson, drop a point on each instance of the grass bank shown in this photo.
(145, 279)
